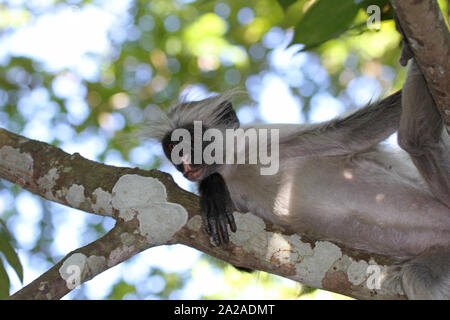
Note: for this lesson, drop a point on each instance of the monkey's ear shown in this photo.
(228, 115)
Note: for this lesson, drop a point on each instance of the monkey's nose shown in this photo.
(186, 163)
(187, 167)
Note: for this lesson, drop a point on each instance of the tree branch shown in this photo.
(84, 264)
(429, 39)
(152, 210)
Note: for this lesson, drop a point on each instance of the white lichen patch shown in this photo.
(195, 223)
(127, 214)
(250, 234)
(19, 162)
(132, 190)
(357, 272)
(343, 263)
(302, 248)
(275, 248)
(47, 182)
(284, 249)
(279, 250)
(75, 195)
(158, 222)
(312, 265)
(102, 203)
(146, 199)
(60, 194)
(78, 268)
(312, 269)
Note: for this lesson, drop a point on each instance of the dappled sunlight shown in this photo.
(283, 197)
(380, 197)
(204, 39)
(347, 174)
(119, 100)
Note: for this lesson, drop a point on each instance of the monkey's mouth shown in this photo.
(193, 174)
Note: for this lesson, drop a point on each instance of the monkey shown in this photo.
(335, 180)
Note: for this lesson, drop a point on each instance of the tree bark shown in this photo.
(150, 210)
(429, 38)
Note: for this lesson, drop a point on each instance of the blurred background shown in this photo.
(84, 74)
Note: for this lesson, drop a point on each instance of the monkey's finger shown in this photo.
(215, 232)
(208, 228)
(230, 218)
(223, 229)
(229, 213)
(205, 218)
(221, 235)
(222, 220)
(214, 225)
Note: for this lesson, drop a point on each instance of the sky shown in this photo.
(60, 39)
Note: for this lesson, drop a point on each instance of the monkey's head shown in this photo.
(183, 133)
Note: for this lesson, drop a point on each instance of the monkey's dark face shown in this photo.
(183, 150)
(186, 148)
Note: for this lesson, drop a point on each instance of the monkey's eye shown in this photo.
(170, 146)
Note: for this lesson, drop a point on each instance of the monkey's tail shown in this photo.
(428, 275)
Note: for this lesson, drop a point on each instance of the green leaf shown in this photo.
(325, 20)
(4, 282)
(11, 256)
(120, 289)
(293, 13)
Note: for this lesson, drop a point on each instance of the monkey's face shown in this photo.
(186, 152)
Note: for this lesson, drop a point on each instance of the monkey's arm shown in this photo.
(354, 133)
(217, 208)
(421, 134)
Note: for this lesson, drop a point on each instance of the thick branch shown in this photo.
(151, 210)
(429, 39)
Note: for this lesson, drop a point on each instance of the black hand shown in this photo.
(217, 208)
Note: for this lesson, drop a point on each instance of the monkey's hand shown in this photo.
(217, 208)
(406, 53)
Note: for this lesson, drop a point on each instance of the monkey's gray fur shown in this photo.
(336, 182)
(185, 112)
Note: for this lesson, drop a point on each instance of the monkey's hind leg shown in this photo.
(421, 134)
(428, 275)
